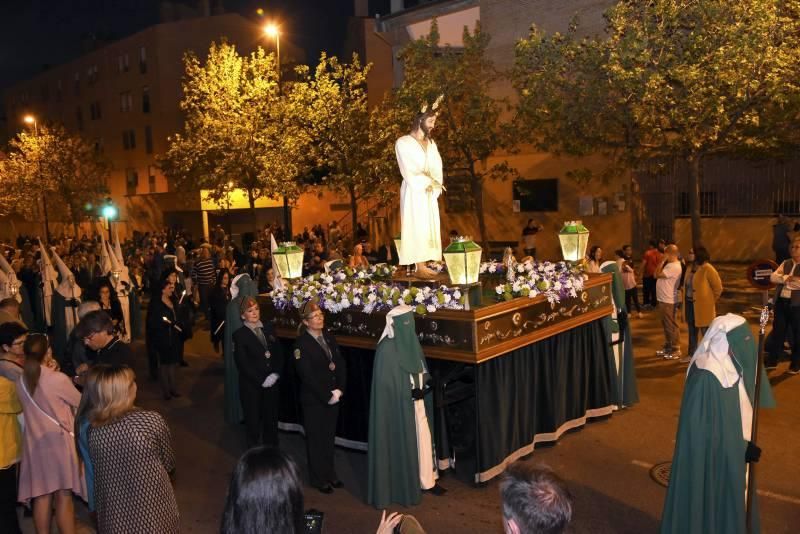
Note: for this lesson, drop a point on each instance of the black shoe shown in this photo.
(184, 364)
(337, 483)
(437, 490)
(794, 370)
(326, 489)
(769, 365)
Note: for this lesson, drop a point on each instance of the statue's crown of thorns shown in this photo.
(434, 106)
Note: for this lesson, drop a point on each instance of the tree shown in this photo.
(672, 79)
(53, 162)
(238, 130)
(470, 127)
(348, 140)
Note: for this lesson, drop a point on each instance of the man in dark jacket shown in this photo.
(97, 332)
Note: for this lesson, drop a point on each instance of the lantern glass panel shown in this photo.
(463, 258)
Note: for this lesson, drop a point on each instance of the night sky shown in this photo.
(35, 34)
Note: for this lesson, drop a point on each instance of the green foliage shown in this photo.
(470, 126)
(346, 139)
(238, 129)
(55, 164)
(670, 79)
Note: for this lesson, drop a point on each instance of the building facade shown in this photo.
(125, 99)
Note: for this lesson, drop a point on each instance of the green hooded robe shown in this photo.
(624, 390)
(706, 493)
(392, 456)
(233, 321)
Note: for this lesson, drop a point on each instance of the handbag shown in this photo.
(53, 419)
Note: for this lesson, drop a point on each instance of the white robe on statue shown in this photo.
(420, 234)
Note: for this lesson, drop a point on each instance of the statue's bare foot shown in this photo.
(425, 273)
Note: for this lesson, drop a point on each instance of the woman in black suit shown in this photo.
(259, 360)
(166, 333)
(323, 376)
(218, 303)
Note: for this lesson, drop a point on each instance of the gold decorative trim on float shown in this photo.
(469, 336)
(497, 470)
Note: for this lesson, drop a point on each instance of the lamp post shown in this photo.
(273, 31)
(30, 120)
(110, 213)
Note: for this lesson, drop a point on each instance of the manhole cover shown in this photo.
(660, 473)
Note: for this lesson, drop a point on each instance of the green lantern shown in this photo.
(288, 257)
(463, 258)
(574, 238)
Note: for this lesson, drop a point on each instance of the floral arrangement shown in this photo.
(370, 290)
(336, 292)
(554, 280)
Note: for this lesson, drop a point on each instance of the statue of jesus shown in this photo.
(423, 182)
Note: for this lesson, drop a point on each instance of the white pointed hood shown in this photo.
(67, 288)
(49, 273)
(117, 264)
(8, 280)
(105, 259)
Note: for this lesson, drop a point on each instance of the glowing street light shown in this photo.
(272, 30)
(29, 119)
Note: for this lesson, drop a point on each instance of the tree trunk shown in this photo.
(693, 191)
(287, 220)
(354, 213)
(252, 199)
(477, 195)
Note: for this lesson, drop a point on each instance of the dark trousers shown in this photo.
(205, 305)
(320, 426)
(260, 407)
(787, 322)
(152, 362)
(632, 299)
(8, 500)
(693, 330)
(649, 291)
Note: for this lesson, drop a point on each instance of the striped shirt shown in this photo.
(204, 273)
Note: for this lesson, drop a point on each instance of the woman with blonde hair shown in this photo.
(358, 260)
(132, 457)
(49, 470)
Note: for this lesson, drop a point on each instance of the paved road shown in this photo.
(606, 464)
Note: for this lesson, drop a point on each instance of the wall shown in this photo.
(609, 231)
(736, 239)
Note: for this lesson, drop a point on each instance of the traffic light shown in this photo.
(109, 211)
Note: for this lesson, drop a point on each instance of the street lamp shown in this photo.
(273, 31)
(30, 120)
(109, 212)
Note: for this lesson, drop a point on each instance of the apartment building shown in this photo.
(124, 98)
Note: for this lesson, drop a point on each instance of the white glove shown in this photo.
(270, 380)
(336, 394)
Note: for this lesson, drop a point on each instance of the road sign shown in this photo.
(759, 272)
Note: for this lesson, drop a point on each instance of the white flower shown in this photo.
(516, 287)
(372, 297)
(493, 268)
(431, 308)
(456, 294)
(447, 298)
(499, 289)
(356, 301)
(420, 298)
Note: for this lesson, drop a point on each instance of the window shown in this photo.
(123, 62)
(128, 139)
(91, 74)
(708, 203)
(148, 140)
(131, 181)
(151, 181)
(77, 84)
(142, 60)
(94, 110)
(125, 101)
(98, 146)
(79, 117)
(145, 99)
